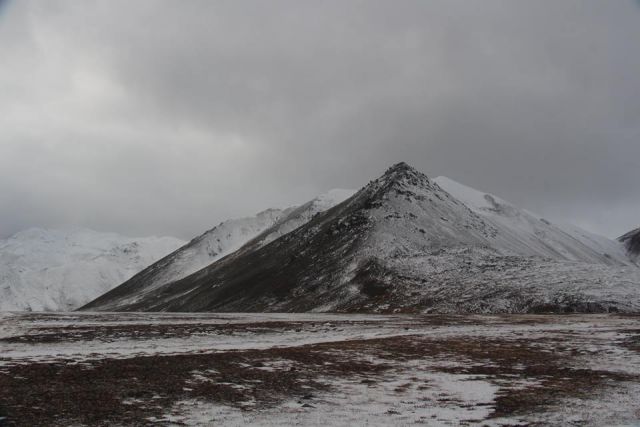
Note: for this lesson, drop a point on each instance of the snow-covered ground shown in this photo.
(319, 369)
(64, 269)
(200, 332)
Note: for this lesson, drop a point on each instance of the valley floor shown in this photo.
(318, 369)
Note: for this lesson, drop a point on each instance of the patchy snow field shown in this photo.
(318, 369)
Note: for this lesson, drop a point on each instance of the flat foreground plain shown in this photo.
(318, 369)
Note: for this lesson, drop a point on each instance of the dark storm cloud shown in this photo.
(167, 117)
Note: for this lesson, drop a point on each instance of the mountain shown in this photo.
(631, 242)
(63, 269)
(222, 240)
(525, 233)
(403, 243)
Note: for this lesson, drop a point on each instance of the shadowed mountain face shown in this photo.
(227, 237)
(631, 241)
(402, 243)
(200, 252)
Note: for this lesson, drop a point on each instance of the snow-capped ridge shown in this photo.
(333, 197)
(525, 233)
(473, 198)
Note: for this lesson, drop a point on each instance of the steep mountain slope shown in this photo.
(224, 239)
(401, 243)
(62, 270)
(211, 245)
(631, 242)
(524, 233)
(298, 217)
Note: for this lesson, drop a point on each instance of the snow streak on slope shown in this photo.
(524, 233)
(224, 239)
(62, 270)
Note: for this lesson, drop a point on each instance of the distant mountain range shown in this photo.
(55, 270)
(403, 243)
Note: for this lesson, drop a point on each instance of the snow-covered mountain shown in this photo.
(403, 243)
(631, 242)
(64, 269)
(229, 236)
(524, 233)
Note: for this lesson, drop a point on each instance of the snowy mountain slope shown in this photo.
(524, 233)
(229, 236)
(318, 252)
(64, 269)
(631, 242)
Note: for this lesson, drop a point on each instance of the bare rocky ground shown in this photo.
(318, 369)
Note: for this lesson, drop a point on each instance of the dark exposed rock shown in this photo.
(631, 241)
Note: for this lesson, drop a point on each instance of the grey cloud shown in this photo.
(167, 117)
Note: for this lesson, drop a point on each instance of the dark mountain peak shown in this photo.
(400, 178)
(632, 241)
(401, 170)
(400, 166)
(629, 235)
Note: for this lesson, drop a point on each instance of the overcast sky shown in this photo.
(167, 117)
